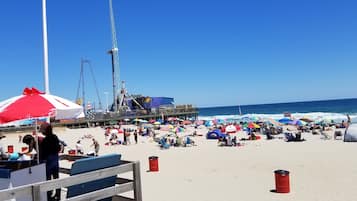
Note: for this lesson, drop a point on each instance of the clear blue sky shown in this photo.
(203, 52)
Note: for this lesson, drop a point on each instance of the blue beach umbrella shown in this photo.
(245, 119)
(298, 123)
(285, 121)
(208, 123)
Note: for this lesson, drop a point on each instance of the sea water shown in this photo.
(335, 110)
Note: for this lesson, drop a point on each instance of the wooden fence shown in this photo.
(35, 189)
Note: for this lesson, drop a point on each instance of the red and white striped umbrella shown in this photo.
(34, 104)
(231, 129)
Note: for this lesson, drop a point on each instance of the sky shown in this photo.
(201, 52)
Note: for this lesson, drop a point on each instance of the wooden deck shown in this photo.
(122, 185)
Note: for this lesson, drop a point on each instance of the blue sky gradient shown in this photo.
(206, 53)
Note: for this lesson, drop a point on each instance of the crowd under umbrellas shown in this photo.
(288, 128)
(176, 132)
(225, 131)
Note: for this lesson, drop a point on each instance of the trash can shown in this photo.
(282, 181)
(10, 149)
(154, 163)
(72, 152)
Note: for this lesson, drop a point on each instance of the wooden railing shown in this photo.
(35, 189)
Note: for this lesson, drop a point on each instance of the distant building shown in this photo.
(151, 104)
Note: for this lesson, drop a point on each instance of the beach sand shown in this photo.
(320, 170)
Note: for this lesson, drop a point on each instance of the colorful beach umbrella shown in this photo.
(253, 125)
(298, 123)
(34, 104)
(178, 129)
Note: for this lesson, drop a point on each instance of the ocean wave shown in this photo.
(315, 116)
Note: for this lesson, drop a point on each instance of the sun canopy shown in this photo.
(351, 134)
(35, 104)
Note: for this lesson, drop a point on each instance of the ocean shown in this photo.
(335, 110)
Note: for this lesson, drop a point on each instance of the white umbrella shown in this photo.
(231, 129)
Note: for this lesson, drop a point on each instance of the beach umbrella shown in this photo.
(231, 129)
(271, 121)
(229, 120)
(165, 128)
(254, 118)
(298, 123)
(113, 122)
(137, 120)
(171, 119)
(209, 123)
(253, 125)
(186, 122)
(238, 128)
(306, 119)
(178, 129)
(285, 121)
(220, 121)
(199, 122)
(35, 104)
(324, 121)
(143, 121)
(245, 119)
(147, 125)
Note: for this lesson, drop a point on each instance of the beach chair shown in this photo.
(338, 134)
(325, 136)
(91, 164)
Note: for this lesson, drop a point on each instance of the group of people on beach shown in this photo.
(168, 141)
(80, 150)
(116, 135)
(292, 133)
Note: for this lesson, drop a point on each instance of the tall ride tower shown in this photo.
(115, 58)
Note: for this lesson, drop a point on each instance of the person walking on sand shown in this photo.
(136, 136)
(349, 122)
(96, 146)
(125, 137)
(79, 147)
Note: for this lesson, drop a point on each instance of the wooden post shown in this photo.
(137, 181)
(36, 194)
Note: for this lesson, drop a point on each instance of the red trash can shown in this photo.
(154, 163)
(282, 181)
(72, 152)
(10, 149)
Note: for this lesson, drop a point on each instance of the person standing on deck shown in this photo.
(49, 149)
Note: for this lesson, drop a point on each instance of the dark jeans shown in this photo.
(52, 172)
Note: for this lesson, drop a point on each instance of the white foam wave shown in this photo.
(316, 116)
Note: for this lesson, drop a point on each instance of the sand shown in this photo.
(320, 170)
